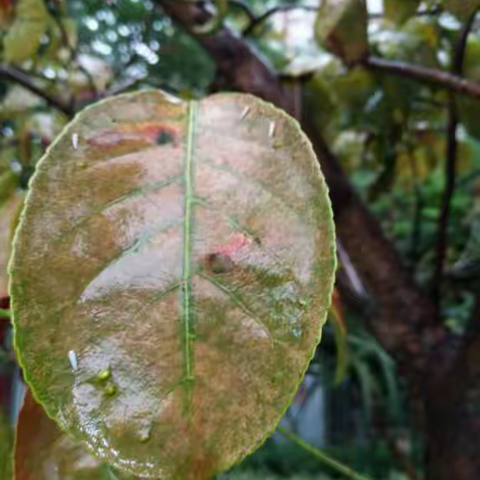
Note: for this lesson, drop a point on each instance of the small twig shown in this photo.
(450, 167)
(74, 54)
(449, 81)
(121, 86)
(256, 21)
(347, 472)
(244, 7)
(416, 234)
(399, 454)
(421, 13)
(430, 102)
(12, 74)
(283, 8)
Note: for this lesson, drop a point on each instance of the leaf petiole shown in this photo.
(347, 472)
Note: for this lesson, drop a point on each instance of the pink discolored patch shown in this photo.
(145, 133)
(221, 261)
(236, 242)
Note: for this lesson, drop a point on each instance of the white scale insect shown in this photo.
(72, 358)
(271, 130)
(75, 141)
(244, 113)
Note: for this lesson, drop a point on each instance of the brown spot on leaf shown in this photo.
(219, 263)
(145, 133)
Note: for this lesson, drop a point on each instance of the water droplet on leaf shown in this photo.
(72, 358)
(104, 375)
(110, 390)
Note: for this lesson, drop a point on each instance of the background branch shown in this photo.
(450, 167)
(256, 21)
(431, 76)
(282, 8)
(244, 7)
(73, 52)
(12, 74)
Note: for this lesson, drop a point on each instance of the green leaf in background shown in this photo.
(341, 338)
(462, 9)
(216, 22)
(24, 35)
(44, 452)
(171, 275)
(6, 447)
(9, 214)
(341, 27)
(8, 184)
(469, 108)
(399, 11)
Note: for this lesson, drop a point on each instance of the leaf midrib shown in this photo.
(187, 242)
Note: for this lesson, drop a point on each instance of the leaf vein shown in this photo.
(234, 299)
(187, 245)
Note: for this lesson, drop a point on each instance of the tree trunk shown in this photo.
(452, 411)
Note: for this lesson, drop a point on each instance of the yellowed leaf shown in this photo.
(25, 34)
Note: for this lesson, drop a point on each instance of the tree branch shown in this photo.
(244, 7)
(73, 52)
(402, 319)
(14, 75)
(450, 167)
(282, 8)
(427, 12)
(431, 76)
(256, 21)
(241, 68)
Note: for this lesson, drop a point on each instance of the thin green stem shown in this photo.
(347, 472)
(5, 313)
(187, 245)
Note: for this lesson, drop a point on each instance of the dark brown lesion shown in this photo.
(164, 137)
(138, 133)
(219, 263)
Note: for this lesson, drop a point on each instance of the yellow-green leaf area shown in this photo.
(462, 9)
(399, 11)
(341, 27)
(6, 447)
(25, 34)
(187, 249)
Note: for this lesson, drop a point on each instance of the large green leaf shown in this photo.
(341, 27)
(170, 278)
(44, 452)
(462, 8)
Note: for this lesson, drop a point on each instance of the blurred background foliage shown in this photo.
(388, 132)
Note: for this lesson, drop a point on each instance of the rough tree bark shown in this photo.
(452, 401)
(443, 373)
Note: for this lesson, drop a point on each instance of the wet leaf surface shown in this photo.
(44, 452)
(171, 276)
